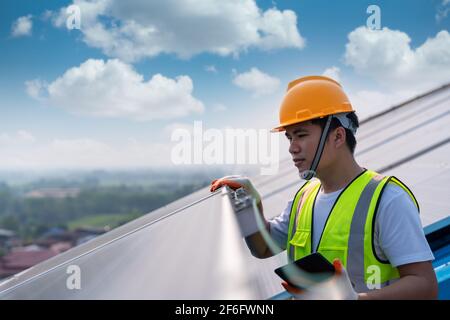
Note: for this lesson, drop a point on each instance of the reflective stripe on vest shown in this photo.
(349, 236)
(355, 255)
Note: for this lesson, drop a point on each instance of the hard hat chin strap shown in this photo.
(309, 174)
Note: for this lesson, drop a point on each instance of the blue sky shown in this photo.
(124, 118)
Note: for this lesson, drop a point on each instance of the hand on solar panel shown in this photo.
(236, 182)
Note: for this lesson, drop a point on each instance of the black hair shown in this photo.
(350, 137)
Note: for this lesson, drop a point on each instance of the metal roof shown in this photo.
(192, 248)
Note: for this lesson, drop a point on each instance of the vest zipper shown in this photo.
(329, 214)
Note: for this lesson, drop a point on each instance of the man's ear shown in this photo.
(339, 137)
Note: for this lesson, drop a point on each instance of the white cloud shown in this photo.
(22, 26)
(19, 138)
(178, 126)
(84, 153)
(443, 10)
(115, 89)
(257, 82)
(137, 29)
(218, 107)
(25, 136)
(211, 68)
(47, 15)
(36, 88)
(386, 56)
(332, 73)
(82, 149)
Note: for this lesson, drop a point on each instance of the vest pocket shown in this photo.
(300, 238)
(331, 253)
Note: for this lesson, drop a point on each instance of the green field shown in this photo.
(102, 220)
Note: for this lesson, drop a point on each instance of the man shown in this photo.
(359, 220)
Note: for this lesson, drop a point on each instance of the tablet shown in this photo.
(314, 268)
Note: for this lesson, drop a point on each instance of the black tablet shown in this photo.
(315, 268)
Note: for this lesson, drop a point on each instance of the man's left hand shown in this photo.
(339, 287)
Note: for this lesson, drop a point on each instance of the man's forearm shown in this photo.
(258, 246)
(256, 242)
(408, 287)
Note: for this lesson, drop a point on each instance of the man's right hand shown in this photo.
(236, 182)
(255, 242)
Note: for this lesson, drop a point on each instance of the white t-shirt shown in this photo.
(399, 235)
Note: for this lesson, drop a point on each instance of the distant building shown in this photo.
(20, 259)
(74, 237)
(7, 238)
(6, 234)
(60, 247)
(88, 231)
(55, 241)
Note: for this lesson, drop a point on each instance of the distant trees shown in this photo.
(31, 217)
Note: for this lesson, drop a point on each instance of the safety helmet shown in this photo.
(312, 97)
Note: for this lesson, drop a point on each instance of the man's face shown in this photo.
(304, 138)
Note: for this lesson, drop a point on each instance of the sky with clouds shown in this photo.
(109, 93)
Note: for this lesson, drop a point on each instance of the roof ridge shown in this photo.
(395, 107)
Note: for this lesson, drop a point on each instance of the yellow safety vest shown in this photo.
(348, 233)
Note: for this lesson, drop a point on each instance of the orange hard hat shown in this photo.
(312, 97)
